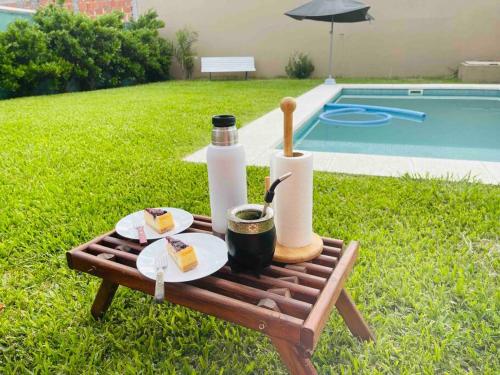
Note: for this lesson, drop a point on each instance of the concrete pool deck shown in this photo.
(261, 136)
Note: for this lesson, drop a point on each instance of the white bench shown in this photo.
(227, 65)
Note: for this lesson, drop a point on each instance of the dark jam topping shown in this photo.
(156, 211)
(178, 245)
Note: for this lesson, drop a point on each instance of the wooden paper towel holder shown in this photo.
(284, 254)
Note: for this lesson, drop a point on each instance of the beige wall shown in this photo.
(407, 38)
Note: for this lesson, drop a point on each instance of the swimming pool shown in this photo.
(443, 153)
(460, 124)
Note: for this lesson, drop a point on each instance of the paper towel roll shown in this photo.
(293, 202)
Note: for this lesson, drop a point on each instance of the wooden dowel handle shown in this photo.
(267, 183)
(288, 105)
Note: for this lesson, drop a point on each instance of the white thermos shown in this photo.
(227, 178)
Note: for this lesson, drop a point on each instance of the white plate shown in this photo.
(126, 227)
(211, 252)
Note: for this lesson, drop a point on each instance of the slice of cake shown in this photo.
(159, 219)
(183, 254)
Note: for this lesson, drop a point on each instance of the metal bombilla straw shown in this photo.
(268, 198)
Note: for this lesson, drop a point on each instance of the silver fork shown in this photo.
(161, 264)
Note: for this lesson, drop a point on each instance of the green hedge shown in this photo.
(61, 51)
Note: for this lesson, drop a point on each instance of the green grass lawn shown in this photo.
(71, 165)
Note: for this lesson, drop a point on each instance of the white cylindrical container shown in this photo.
(227, 178)
(293, 203)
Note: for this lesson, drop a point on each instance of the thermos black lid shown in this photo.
(223, 121)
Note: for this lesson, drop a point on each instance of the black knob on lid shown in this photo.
(223, 121)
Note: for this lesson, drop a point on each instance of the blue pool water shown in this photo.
(456, 127)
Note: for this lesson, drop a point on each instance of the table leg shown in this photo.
(103, 299)
(352, 317)
(297, 362)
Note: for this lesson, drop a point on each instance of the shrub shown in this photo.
(299, 66)
(26, 63)
(87, 45)
(144, 56)
(62, 51)
(184, 52)
(157, 58)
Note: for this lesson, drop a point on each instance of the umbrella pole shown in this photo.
(330, 80)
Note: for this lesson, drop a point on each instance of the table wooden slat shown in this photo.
(300, 292)
(316, 269)
(289, 306)
(304, 278)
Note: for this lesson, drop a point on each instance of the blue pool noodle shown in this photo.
(382, 117)
(384, 114)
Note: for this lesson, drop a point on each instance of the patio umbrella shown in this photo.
(341, 11)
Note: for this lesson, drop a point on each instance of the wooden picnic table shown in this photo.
(289, 303)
